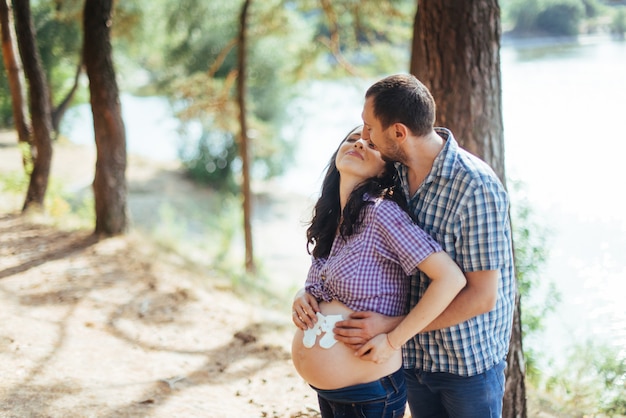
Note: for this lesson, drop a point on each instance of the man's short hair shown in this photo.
(403, 98)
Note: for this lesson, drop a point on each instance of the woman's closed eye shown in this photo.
(353, 139)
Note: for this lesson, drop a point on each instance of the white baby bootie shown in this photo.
(325, 324)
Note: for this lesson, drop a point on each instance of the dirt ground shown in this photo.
(122, 328)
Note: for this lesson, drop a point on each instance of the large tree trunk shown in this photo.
(243, 142)
(15, 76)
(109, 185)
(456, 53)
(39, 99)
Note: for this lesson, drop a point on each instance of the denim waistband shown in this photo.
(377, 389)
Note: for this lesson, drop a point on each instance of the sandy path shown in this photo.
(122, 328)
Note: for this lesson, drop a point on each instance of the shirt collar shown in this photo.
(444, 162)
(443, 166)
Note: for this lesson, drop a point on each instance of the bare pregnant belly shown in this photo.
(336, 367)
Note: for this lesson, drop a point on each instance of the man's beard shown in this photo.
(393, 152)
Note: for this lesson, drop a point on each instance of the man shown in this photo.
(454, 367)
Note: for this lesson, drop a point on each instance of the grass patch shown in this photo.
(64, 210)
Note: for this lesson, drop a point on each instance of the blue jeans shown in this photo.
(383, 398)
(445, 395)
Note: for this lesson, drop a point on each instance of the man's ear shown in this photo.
(400, 132)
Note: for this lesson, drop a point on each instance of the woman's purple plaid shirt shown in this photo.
(369, 271)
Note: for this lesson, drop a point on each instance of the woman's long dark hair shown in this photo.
(327, 211)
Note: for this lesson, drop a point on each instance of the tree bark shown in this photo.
(515, 393)
(39, 107)
(109, 185)
(456, 53)
(244, 140)
(15, 77)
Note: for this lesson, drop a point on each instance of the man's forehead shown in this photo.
(366, 114)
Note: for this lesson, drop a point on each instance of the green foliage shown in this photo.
(199, 75)
(199, 31)
(59, 42)
(547, 17)
(359, 38)
(592, 382)
(618, 22)
(592, 8)
(58, 26)
(561, 18)
(197, 63)
(6, 109)
(14, 183)
(520, 15)
(187, 50)
(530, 256)
(557, 17)
(209, 160)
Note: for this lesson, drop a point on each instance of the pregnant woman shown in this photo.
(365, 246)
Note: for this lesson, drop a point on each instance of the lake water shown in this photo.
(565, 130)
(565, 135)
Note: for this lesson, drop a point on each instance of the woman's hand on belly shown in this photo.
(304, 309)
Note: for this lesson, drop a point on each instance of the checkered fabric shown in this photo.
(369, 270)
(464, 207)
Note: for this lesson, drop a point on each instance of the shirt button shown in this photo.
(323, 277)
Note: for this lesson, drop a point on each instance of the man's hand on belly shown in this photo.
(361, 327)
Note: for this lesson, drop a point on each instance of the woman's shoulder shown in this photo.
(386, 209)
(381, 203)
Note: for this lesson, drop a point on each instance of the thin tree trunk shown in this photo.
(109, 185)
(515, 393)
(39, 100)
(243, 142)
(456, 53)
(59, 111)
(15, 77)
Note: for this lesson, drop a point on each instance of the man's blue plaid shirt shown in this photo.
(463, 206)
